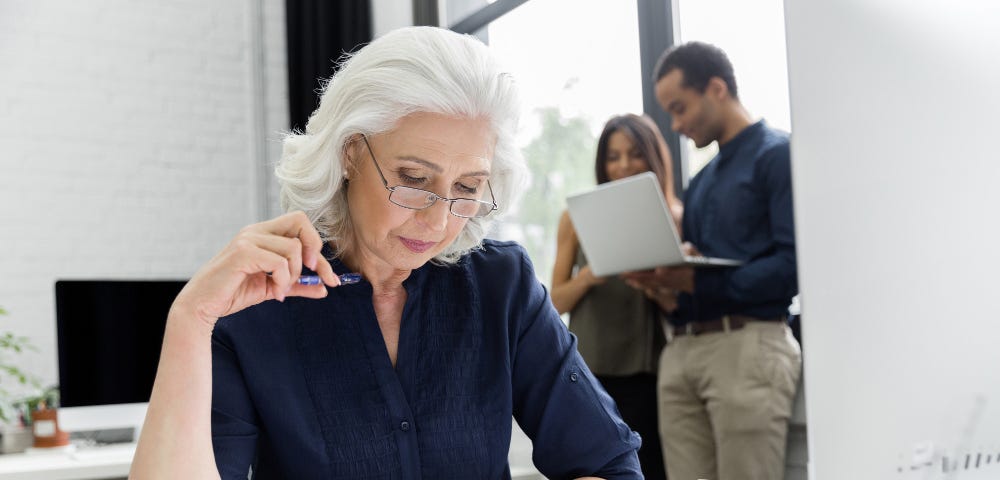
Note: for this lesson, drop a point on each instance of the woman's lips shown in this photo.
(416, 246)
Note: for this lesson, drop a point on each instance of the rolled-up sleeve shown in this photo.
(574, 425)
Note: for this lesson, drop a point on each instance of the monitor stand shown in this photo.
(103, 424)
(104, 436)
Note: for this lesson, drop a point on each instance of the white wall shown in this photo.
(128, 142)
(389, 15)
(895, 176)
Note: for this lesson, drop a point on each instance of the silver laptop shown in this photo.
(625, 226)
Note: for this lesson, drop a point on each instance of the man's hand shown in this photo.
(673, 278)
(662, 279)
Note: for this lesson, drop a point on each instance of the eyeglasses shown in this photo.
(419, 199)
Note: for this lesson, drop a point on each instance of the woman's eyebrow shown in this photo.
(431, 165)
(437, 168)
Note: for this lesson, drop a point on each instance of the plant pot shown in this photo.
(45, 423)
(15, 439)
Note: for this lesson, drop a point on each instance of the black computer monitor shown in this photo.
(109, 334)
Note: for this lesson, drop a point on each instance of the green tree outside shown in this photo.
(561, 160)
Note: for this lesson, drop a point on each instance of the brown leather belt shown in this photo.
(725, 324)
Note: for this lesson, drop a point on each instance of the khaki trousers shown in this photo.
(724, 402)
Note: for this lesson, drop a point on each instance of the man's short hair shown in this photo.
(699, 62)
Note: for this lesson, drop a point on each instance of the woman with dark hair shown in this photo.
(619, 328)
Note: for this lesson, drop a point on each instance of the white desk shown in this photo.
(109, 462)
(91, 463)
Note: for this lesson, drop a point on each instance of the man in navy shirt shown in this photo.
(728, 377)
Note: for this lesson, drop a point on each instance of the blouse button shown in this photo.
(573, 377)
(404, 426)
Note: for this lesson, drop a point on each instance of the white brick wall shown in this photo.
(127, 142)
(275, 95)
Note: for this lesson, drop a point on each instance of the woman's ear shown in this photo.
(353, 151)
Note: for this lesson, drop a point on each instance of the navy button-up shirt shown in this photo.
(305, 388)
(740, 206)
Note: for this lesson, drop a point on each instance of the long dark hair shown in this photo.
(647, 139)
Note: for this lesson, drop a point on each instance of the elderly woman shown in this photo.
(415, 371)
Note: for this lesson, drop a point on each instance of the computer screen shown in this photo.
(109, 334)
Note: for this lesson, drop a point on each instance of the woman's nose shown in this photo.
(435, 217)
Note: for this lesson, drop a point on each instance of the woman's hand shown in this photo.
(587, 276)
(661, 280)
(665, 297)
(262, 262)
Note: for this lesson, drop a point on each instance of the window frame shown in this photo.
(658, 28)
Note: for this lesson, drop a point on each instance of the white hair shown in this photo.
(409, 70)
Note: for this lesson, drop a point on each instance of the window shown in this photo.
(577, 65)
(752, 33)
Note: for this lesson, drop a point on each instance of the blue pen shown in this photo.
(345, 279)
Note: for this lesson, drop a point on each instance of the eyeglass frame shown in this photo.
(451, 201)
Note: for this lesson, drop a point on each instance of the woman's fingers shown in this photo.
(277, 249)
(258, 261)
(297, 225)
(293, 236)
(308, 291)
(325, 272)
(289, 248)
(665, 297)
(312, 246)
(296, 252)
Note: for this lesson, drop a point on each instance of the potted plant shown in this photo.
(44, 419)
(15, 388)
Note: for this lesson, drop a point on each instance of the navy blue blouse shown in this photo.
(305, 388)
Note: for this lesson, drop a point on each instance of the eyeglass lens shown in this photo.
(416, 198)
